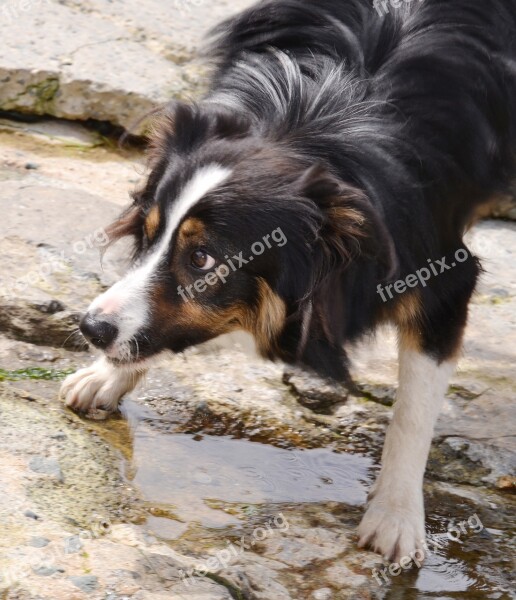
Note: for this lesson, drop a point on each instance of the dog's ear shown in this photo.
(129, 223)
(351, 226)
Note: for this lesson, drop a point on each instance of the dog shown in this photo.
(368, 138)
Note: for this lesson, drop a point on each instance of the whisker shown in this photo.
(75, 332)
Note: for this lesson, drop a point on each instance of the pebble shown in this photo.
(73, 544)
(39, 542)
(31, 166)
(86, 583)
(46, 466)
(323, 594)
(45, 571)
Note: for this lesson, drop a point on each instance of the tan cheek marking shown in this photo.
(152, 222)
(265, 322)
(196, 316)
(270, 318)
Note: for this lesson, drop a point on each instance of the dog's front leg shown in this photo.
(394, 523)
(97, 390)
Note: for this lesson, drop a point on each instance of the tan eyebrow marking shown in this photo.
(152, 222)
(192, 227)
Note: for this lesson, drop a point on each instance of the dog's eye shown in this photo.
(202, 260)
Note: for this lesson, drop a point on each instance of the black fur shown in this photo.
(421, 118)
(370, 140)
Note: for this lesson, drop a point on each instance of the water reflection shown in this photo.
(191, 473)
(199, 487)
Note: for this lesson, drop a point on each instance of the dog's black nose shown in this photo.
(97, 331)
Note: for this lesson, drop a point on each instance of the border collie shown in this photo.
(369, 139)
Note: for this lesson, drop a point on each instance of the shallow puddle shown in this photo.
(197, 478)
(200, 487)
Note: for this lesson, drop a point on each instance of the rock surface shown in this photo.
(95, 60)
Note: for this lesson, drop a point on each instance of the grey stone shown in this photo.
(47, 571)
(39, 542)
(314, 392)
(73, 545)
(86, 583)
(46, 466)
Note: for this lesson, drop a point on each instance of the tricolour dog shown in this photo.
(368, 136)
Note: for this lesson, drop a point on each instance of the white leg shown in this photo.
(394, 523)
(98, 389)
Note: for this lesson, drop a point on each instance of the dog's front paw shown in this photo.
(393, 528)
(97, 390)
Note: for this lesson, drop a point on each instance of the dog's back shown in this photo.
(444, 71)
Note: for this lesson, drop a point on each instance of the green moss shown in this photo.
(45, 93)
(37, 373)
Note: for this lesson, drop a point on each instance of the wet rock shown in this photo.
(506, 483)
(314, 392)
(343, 577)
(377, 393)
(302, 547)
(90, 479)
(466, 461)
(259, 578)
(322, 594)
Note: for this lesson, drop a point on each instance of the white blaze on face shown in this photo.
(127, 300)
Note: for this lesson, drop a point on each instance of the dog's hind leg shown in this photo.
(97, 390)
(394, 523)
